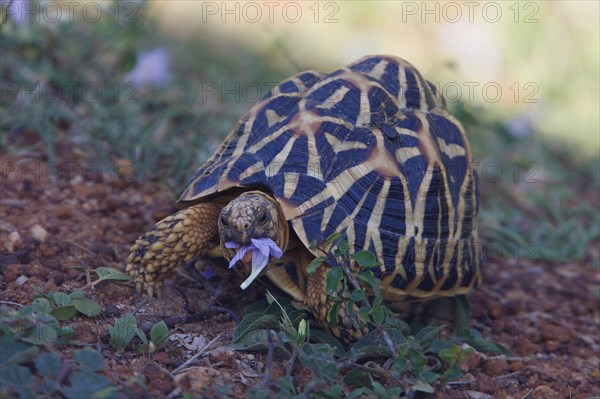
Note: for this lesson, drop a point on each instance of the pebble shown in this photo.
(495, 311)
(113, 202)
(38, 232)
(474, 361)
(21, 279)
(111, 310)
(63, 211)
(161, 385)
(517, 365)
(477, 395)
(551, 345)
(543, 392)
(551, 332)
(82, 190)
(11, 272)
(14, 237)
(495, 366)
(163, 358)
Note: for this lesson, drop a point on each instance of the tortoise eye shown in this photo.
(262, 217)
(224, 221)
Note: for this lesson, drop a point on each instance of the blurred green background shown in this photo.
(524, 78)
(527, 62)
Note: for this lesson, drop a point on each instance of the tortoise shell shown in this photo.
(369, 151)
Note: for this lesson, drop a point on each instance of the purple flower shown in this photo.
(151, 68)
(261, 249)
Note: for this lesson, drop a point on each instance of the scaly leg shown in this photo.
(172, 242)
(349, 327)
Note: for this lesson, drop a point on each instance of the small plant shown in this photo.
(123, 331)
(29, 366)
(393, 360)
(110, 274)
(126, 328)
(65, 306)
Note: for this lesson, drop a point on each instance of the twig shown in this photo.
(269, 362)
(527, 394)
(290, 363)
(11, 303)
(507, 375)
(197, 355)
(137, 309)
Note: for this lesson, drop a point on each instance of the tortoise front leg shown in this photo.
(349, 327)
(173, 241)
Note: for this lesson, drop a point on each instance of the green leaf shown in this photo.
(334, 314)
(159, 333)
(379, 390)
(360, 392)
(400, 365)
(41, 293)
(374, 345)
(17, 353)
(365, 259)
(452, 373)
(422, 386)
(108, 273)
(60, 298)
(365, 314)
(426, 335)
(342, 247)
(122, 332)
(315, 264)
(252, 341)
(491, 347)
(15, 376)
(85, 384)
(463, 313)
(47, 364)
(257, 307)
(332, 238)
(438, 345)
(357, 295)
(255, 321)
(335, 392)
(89, 360)
(477, 341)
(77, 294)
(377, 315)
(64, 312)
(41, 306)
(66, 333)
(25, 392)
(42, 335)
(142, 337)
(49, 386)
(319, 336)
(428, 376)
(357, 378)
(87, 307)
(333, 279)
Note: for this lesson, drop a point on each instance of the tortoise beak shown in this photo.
(242, 237)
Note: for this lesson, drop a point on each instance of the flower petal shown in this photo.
(240, 254)
(257, 268)
(267, 247)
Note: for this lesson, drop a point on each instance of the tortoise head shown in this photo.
(253, 214)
